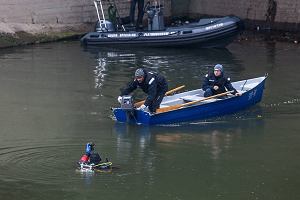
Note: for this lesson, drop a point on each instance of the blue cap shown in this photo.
(218, 67)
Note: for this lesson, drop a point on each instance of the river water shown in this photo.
(56, 97)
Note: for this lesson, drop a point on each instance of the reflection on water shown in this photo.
(115, 67)
(100, 72)
(216, 136)
(57, 97)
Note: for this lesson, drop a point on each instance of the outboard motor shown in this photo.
(127, 103)
(128, 106)
(155, 18)
(104, 26)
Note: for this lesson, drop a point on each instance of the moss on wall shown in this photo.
(23, 38)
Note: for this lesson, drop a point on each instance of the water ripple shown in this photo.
(286, 102)
(35, 163)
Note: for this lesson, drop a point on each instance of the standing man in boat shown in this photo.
(139, 22)
(152, 83)
(216, 83)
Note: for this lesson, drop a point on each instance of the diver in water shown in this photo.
(90, 157)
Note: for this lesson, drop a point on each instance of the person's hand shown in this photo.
(142, 107)
(238, 94)
(216, 87)
(119, 99)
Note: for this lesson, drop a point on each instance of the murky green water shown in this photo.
(56, 97)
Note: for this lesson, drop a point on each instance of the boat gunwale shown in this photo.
(167, 41)
(218, 31)
(219, 100)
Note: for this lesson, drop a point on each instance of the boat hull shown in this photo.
(196, 112)
(217, 33)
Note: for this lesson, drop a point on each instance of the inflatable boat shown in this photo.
(90, 167)
(206, 33)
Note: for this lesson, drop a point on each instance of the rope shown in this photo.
(244, 85)
(103, 164)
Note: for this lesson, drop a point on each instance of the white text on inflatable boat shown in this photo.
(122, 35)
(126, 35)
(214, 26)
(158, 34)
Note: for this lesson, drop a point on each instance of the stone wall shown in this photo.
(52, 11)
(274, 14)
(42, 15)
(36, 15)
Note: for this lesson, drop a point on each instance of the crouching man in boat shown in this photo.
(216, 83)
(152, 83)
(90, 157)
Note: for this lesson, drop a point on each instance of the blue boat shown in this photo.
(191, 105)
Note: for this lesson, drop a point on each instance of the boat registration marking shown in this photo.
(113, 35)
(158, 34)
(128, 35)
(252, 94)
(214, 26)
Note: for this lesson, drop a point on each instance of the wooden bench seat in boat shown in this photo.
(191, 98)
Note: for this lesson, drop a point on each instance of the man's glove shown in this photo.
(119, 99)
(216, 87)
(142, 107)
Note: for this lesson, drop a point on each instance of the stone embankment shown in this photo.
(35, 21)
(20, 34)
